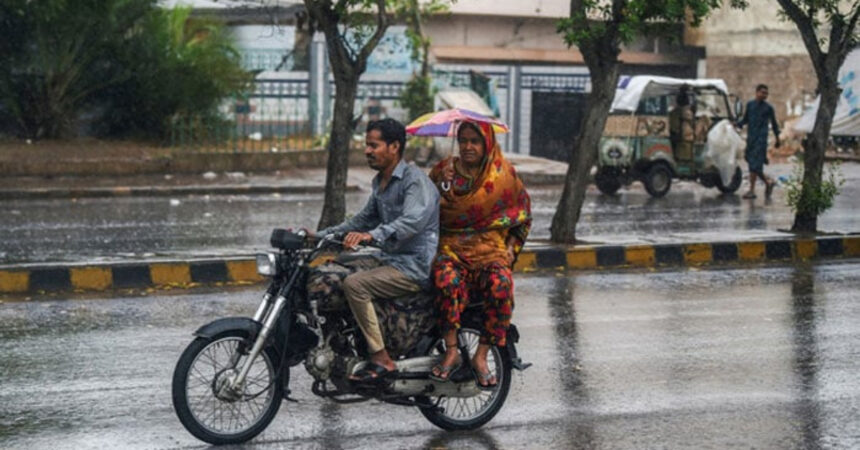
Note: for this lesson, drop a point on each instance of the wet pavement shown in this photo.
(751, 358)
(123, 228)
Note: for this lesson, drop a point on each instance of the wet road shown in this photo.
(753, 358)
(123, 228)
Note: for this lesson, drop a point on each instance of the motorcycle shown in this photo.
(230, 381)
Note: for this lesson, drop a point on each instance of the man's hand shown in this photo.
(353, 238)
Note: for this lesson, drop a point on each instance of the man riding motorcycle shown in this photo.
(402, 215)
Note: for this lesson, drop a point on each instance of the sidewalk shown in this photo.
(535, 171)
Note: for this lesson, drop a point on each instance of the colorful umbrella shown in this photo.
(444, 123)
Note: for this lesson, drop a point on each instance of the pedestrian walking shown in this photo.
(757, 116)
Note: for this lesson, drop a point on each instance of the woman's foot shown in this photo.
(443, 370)
(749, 194)
(483, 377)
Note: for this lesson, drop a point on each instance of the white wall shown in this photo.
(503, 32)
(755, 31)
(523, 8)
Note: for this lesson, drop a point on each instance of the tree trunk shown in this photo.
(342, 129)
(806, 217)
(604, 79)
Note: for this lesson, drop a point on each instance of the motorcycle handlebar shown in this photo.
(337, 238)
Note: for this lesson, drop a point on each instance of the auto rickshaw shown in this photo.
(642, 140)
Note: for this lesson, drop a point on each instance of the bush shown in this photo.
(184, 69)
(417, 96)
(125, 65)
(54, 58)
(821, 196)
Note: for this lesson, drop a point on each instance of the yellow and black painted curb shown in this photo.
(242, 270)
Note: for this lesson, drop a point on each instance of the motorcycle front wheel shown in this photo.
(215, 416)
(469, 413)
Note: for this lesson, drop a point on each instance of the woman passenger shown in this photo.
(485, 216)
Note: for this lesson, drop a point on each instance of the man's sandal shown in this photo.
(371, 373)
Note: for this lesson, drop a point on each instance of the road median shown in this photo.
(29, 279)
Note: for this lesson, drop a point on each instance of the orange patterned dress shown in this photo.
(478, 217)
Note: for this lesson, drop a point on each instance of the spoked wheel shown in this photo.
(215, 414)
(469, 413)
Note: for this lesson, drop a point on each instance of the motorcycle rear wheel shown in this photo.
(470, 413)
(205, 363)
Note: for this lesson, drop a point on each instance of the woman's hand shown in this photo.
(512, 254)
(448, 172)
(446, 177)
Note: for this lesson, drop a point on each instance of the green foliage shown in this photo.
(183, 67)
(124, 65)
(417, 96)
(819, 197)
(624, 20)
(56, 56)
(415, 12)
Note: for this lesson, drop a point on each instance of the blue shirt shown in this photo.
(404, 217)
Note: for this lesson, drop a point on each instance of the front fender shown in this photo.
(219, 326)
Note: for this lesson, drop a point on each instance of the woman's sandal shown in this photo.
(444, 371)
(484, 377)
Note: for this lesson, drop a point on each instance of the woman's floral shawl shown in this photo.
(478, 215)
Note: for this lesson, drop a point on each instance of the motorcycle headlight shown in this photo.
(267, 264)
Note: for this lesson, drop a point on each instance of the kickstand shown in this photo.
(287, 397)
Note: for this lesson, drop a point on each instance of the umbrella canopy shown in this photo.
(444, 123)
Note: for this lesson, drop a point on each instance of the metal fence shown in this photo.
(276, 114)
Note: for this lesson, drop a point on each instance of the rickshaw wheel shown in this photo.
(658, 180)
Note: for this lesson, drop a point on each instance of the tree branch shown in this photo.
(618, 18)
(326, 17)
(848, 39)
(381, 26)
(806, 27)
(577, 7)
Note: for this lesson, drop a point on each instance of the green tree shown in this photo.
(352, 29)
(829, 32)
(417, 97)
(599, 29)
(129, 66)
(183, 68)
(54, 58)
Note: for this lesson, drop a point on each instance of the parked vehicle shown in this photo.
(229, 382)
(637, 144)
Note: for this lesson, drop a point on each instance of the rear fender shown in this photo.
(511, 349)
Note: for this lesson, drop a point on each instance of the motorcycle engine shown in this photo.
(319, 362)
